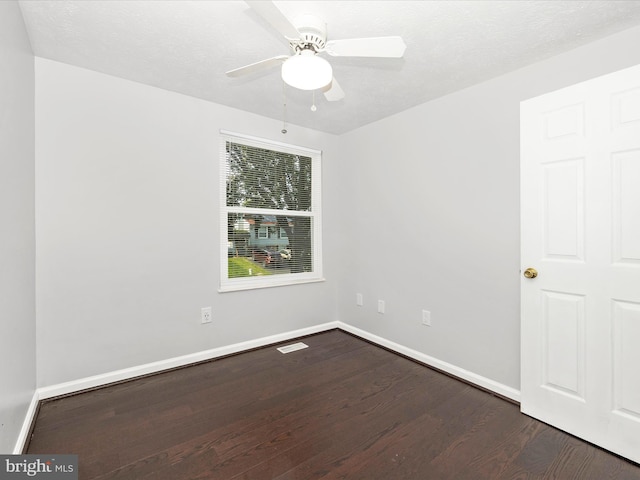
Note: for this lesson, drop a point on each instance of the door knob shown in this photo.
(530, 273)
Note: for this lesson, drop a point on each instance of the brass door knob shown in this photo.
(530, 273)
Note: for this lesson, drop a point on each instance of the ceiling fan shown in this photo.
(305, 69)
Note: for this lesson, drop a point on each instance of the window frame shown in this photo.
(315, 214)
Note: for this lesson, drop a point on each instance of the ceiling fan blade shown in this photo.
(257, 67)
(275, 18)
(388, 47)
(333, 92)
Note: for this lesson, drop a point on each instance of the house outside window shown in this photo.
(270, 213)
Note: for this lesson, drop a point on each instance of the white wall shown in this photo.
(421, 210)
(127, 227)
(435, 217)
(17, 237)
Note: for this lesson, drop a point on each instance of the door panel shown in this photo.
(626, 211)
(564, 209)
(565, 121)
(563, 338)
(626, 327)
(580, 209)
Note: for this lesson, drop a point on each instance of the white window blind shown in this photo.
(270, 213)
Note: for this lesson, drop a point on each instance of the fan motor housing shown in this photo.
(313, 33)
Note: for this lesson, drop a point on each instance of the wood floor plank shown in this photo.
(340, 409)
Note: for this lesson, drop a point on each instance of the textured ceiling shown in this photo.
(186, 46)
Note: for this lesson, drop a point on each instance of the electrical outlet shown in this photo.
(359, 300)
(205, 315)
(426, 318)
(380, 306)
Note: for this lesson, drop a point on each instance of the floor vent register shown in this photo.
(293, 347)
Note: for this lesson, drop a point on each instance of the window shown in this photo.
(270, 213)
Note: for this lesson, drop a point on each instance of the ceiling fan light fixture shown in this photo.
(307, 71)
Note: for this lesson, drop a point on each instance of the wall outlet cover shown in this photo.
(205, 315)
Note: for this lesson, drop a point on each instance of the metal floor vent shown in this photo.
(293, 347)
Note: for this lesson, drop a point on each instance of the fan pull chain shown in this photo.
(284, 109)
(313, 103)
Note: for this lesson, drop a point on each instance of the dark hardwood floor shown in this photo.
(341, 409)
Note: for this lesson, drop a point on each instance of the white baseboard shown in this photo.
(29, 418)
(154, 367)
(466, 375)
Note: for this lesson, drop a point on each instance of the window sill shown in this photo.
(255, 286)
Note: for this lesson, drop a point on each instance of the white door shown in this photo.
(580, 207)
